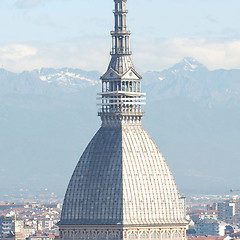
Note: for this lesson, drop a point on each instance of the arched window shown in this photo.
(166, 235)
(155, 235)
(90, 236)
(66, 236)
(70, 235)
(102, 236)
(80, 236)
(132, 236)
(176, 235)
(113, 237)
(144, 236)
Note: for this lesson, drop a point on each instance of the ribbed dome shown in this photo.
(120, 64)
(122, 178)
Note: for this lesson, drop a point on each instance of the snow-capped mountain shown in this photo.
(192, 80)
(188, 78)
(187, 65)
(69, 77)
(47, 80)
(47, 116)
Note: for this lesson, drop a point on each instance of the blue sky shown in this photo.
(75, 33)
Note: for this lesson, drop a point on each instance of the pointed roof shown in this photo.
(120, 63)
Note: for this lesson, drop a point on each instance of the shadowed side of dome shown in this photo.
(150, 195)
(94, 194)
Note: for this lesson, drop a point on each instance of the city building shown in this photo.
(229, 211)
(122, 187)
(197, 215)
(209, 238)
(39, 236)
(27, 219)
(6, 225)
(209, 227)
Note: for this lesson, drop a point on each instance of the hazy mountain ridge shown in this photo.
(69, 77)
(194, 81)
(188, 79)
(47, 80)
(48, 116)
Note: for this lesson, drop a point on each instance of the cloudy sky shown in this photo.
(75, 33)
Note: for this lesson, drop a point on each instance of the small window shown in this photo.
(132, 236)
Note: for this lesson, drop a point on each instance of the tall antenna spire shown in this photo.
(121, 97)
(120, 53)
(120, 35)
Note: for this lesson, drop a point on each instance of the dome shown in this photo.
(122, 178)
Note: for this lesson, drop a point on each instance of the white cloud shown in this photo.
(86, 56)
(16, 52)
(92, 53)
(214, 55)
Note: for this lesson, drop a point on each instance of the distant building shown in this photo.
(191, 232)
(44, 224)
(6, 225)
(229, 211)
(10, 206)
(226, 211)
(209, 227)
(209, 238)
(212, 206)
(41, 237)
(197, 215)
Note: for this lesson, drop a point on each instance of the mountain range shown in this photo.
(48, 116)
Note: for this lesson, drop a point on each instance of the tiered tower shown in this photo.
(121, 97)
(122, 187)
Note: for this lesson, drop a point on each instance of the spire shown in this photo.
(121, 52)
(120, 35)
(121, 97)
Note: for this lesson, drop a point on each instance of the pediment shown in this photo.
(131, 74)
(110, 74)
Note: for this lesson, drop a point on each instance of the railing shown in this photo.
(120, 32)
(122, 113)
(120, 11)
(118, 51)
